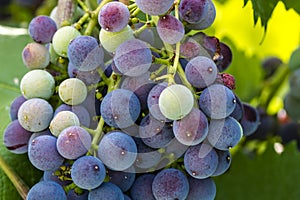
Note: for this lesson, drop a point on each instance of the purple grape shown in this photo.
(224, 162)
(42, 28)
(88, 77)
(201, 71)
(155, 133)
(122, 179)
(46, 190)
(73, 195)
(192, 129)
(117, 150)
(154, 7)
(35, 56)
(14, 107)
(15, 138)
(142, 188)
(193, 11)
(250, 120)
(73, 142)
(201, 189)
(88, 172)
(170, 29)
(133, 57)
(43, 154)
(85, 53)
(238, 111)
(114, 16)
(170, 184)
(127, 197)
(120, 108)
(226, 54)
(217, 101)
(106, 191)
(224, 134)
(201, 161)
(190, 49)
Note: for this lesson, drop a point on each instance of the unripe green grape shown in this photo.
(35, 56)
(63, 120)
(62, 38)
(176, 101)
(72, 91)
(111, 40)
(37, 84)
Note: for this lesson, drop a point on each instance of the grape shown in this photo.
(191, 49)
(224, 162)
(154, 7)
(176, 101)
(114, 16)
(43, 154)
(126, 197)
(117, 150)
(226, 55)
(74, 195)
(250, 120)
(292, 107)
(294, 62)
(73, 142)
(147, 35)
(170, 184)
(201, 189)
(192, 129)
(193, 11)
(37, 84)
(217, 101)
(154, 133)
(63, 120)
(85, 53)
(270, 65)
(201, 71)
(35, 56)
(61, 39)
(42, 28)
(15, 138)
(120, 108)
(133, 57)
(14, 107)
(225, 133)
(88, 172)
(170, 29)
(142, 188)
(72, 91)
(294, 83)
(238, 111)
(35, 114)
(106, 191)
(201, 161)
(122, 179)
(46, 190)
(88, 77)
(55, 175)
(111, 40)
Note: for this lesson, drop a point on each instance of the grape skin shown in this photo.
(193, 11)
(201, 189)
(106, 191)
(154, 7)
(46, 190)
(35, 56)
(123, 179)
(224, 162)
(88, 172)
(63, 120)
(251, 119)
(14, 107)
(142, 188)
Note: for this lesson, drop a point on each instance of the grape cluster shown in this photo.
(128, 101)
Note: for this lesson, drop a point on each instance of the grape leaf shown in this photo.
(264, 176)
(12, 69)
(292, 4)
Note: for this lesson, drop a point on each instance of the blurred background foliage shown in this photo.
(262, 169)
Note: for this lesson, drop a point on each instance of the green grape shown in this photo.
(62, 38)
(294, 62)
(72, 91)
(111, 40)
(176, 101)
(37, 84)
(63, 120)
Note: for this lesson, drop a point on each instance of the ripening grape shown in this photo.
(105, 191)
(142, 188)
(63, 120)
(133, 57)
(201, 189)
(42, 28)
(114, 16)
(154, 7)
(170, 29)
(35, 56)
(72, 91)
(46, 190)
(88, 77)
(176, 101)
(123, 179)
(193, 11)
(14, 107)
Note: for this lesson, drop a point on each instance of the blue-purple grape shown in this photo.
(251, 119)
(170, 183)
(14, 107)
(42, 28)
(117, 150)
(133, 57)
(43, 154)
(123, 179)
(238, 111)
(154, 7)
(35, 56)
(15, 138)
(142, 188)
(106, 191)
(88, 77)
(88, 172)
(85, 53)
(120, 108)
(170, 29)
(73, 142)
(74, 195)
(201, 161)
(114, 16)
(193, 11)
(224, 162)
(46, 190)
(201, 189)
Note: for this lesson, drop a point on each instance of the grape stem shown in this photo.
(19, 184)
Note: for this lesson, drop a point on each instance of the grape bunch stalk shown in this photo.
(127, 100)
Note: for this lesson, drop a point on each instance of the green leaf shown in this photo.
(12, 70)
(292, 4)
(266, 176)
